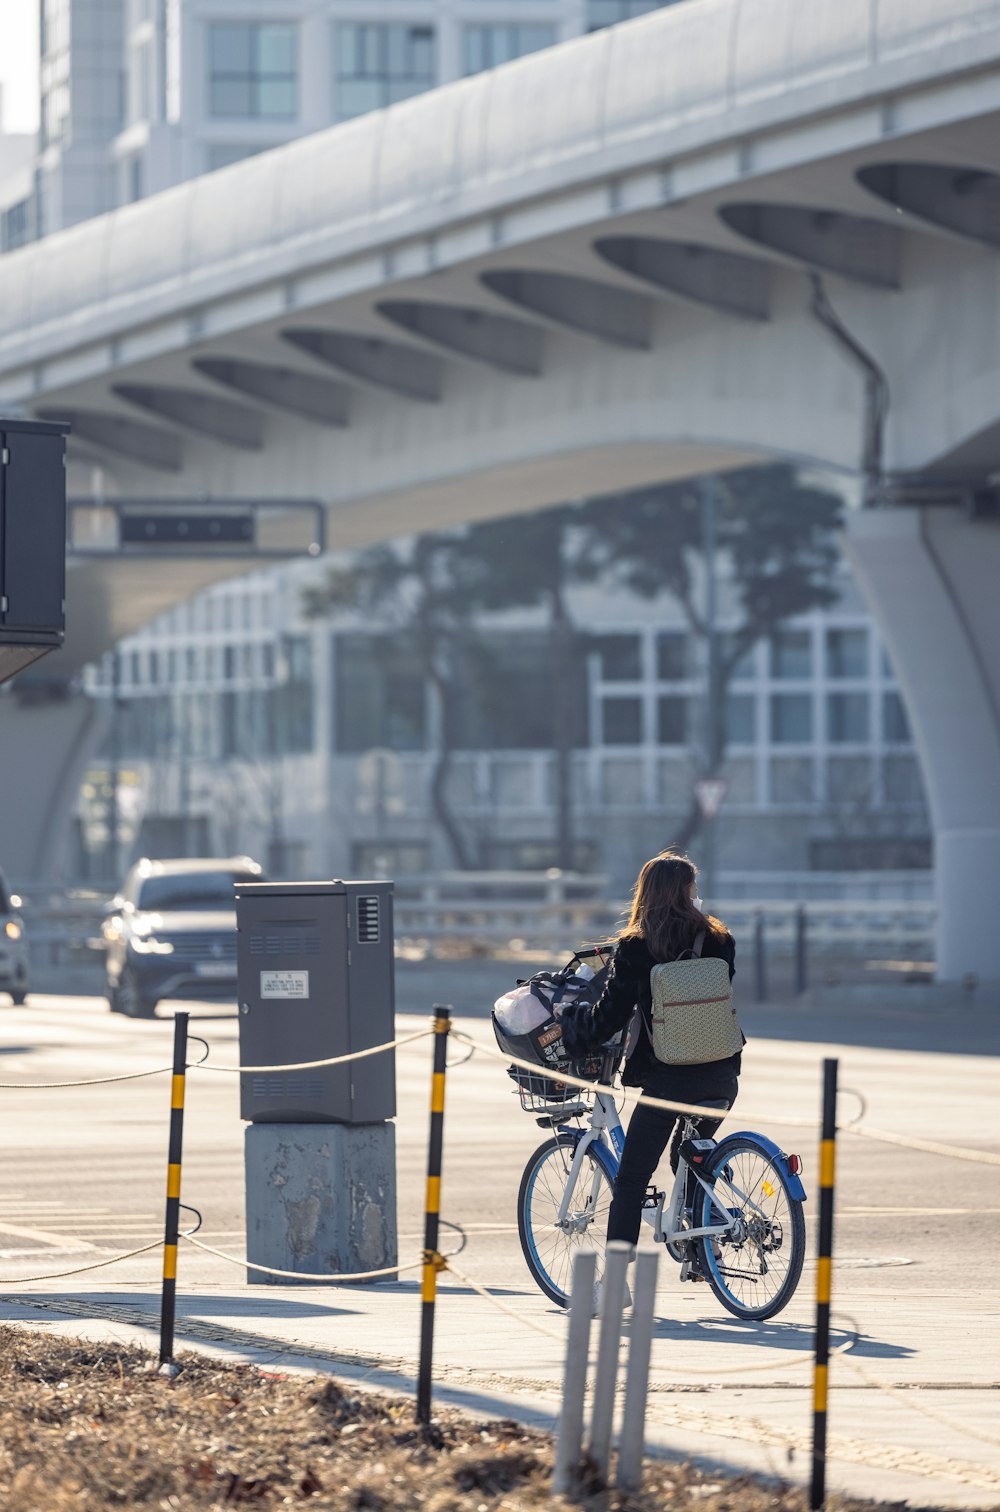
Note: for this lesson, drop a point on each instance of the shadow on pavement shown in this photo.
(796, 1337)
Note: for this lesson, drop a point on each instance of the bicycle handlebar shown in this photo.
(594, 950)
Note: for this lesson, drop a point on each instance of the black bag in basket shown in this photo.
(543, 1043)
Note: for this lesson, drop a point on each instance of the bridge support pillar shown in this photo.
(931, 576)
(48, 734)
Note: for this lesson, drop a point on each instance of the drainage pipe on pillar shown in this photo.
(876, 389)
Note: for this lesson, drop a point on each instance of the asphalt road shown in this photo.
(916, 1234)
(84, 1167)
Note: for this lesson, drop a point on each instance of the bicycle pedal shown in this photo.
(653, 1198)
(691, 1271)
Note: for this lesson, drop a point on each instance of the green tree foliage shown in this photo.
(778, 537)
(777, 533)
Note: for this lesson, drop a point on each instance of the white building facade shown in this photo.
(311, 744)
(139, 95)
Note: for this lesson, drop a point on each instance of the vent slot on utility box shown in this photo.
(368, 920)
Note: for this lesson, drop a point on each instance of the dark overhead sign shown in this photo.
(32, 542)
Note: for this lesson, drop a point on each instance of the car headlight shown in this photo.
(147, 945)
(12, 930)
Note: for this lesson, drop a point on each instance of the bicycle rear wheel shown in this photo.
(550, 1246)
(755, 1267)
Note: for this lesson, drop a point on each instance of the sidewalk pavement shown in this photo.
(731, 1395)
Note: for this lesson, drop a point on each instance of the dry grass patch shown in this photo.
(94, 1428)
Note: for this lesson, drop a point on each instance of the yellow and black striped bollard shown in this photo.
(824, 1274)
(432, 1260)
(172, 1221)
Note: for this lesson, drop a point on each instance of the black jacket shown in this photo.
(586, 1026)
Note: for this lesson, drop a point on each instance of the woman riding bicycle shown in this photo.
(665, 922)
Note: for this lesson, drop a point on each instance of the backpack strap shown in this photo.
(699, 942)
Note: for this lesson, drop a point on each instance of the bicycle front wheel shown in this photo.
(550, 1244)
(755, 1266)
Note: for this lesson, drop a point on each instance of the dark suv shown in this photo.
(171, 933)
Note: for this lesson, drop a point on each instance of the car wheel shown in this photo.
(131, 1001)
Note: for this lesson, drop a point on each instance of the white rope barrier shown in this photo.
(79, 1269)
(926, 1146)
(95, 1081)
(882, 1136)
(694, 1109)
(271, 1270)
(332, 1060)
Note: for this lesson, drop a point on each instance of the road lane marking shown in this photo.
(41, 1236)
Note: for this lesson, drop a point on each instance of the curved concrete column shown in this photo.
(47, 737)
(930, 576)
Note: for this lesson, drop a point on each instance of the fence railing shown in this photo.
(548, 912)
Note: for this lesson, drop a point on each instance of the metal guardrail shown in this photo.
(860, 930)
(539, 911)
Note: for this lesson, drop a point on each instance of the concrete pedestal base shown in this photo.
(320, 1198)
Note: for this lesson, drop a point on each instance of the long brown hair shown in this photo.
(662, 912)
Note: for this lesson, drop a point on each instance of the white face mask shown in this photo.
(699, 905)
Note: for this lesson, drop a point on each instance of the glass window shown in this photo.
(505, 695)
(846, 653)
(746, 668)
(253, 71)
(222, 154)
(792, 780)
(609, 12)
(791, 654)
(849, 780)
(489, 46)
(671, 721)
(380, 63)
(621, 721)
(902, 781)
(895, 724)
(741, 718)
(620, 658)
(847, 717)
(379, 695)
(672, 656)
(791, 718)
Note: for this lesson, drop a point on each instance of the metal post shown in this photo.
(759, 958)
(617, 1257)
(569, 1438)
(633, 1434)
(114, 766)
(442, 1024)
(172, 1221)
(713, 710)
(801, 964)
(824, 1268)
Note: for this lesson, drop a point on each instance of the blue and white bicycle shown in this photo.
(733, 1218)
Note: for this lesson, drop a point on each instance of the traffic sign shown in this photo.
(710, 793)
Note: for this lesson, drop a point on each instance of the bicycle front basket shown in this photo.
(544, 1046)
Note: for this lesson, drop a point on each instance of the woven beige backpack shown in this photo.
(694, 1018)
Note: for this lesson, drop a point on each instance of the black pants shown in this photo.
(648, 1134)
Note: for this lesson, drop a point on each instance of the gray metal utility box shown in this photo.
(316, 979)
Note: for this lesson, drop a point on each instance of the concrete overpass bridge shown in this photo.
(732, 229)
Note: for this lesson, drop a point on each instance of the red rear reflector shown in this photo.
(794, 1164)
